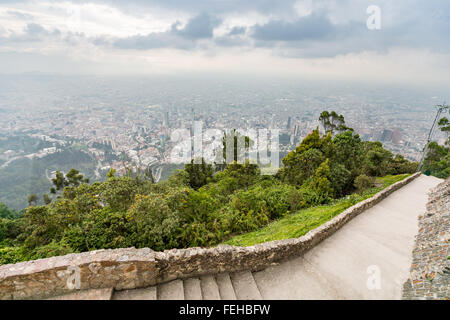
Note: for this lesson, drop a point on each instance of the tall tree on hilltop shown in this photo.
(199, 174)
(333, 122)
(444, 125)
(73, 178)
(32, 200)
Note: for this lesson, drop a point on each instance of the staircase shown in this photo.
(224, 286)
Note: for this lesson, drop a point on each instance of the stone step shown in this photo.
(171, 290)
(136, 294)
(225, 287)
(210, 289)
(245, 286)
(91, 294)
(192, 289)
(299, 281)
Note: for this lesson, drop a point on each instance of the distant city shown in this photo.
(126, 122)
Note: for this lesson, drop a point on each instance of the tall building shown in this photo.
(386, 136)
(288, 126)
(296, 130)
(166, 119)
(396, 136)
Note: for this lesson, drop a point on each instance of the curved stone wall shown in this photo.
(134, 268)
(430, 269)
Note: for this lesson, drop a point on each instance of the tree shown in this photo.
(72, 178)
(332, 122)
(341, 179)
(377, 159)
(240, 146)
(235, 176)
(301, 163)
(348, 149)
(157, 220)
(444, 125)
(32, 200)
(139, 174)
(46, 198)
(437, 159)
(111, 173)
(318, 189)
(58, 182)
(7, 213)
(401, 165)
(199, 174)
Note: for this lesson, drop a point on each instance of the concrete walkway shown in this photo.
(378, 242)
(369, 258)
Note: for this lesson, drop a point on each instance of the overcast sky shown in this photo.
(319, 38)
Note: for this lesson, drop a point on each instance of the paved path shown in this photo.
(380, 240)
(376, 245)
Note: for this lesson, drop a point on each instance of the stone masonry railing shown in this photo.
(430, 269)
(136, 268)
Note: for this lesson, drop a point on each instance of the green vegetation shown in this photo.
(195, 207)
(302, 221)
(437, 160)
(7, 213)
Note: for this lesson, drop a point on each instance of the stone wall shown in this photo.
(135, 268)
(430, 269)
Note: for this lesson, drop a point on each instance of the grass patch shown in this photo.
(302, 221)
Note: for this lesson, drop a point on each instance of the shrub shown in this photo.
(363, 182)
(50, 250)
(9, 229)
(157, 221)
(301, 164)
(317, 189)
(199, 174)
(179, 178)
(348, 152)
(341, 179)
(119, 193)
(11, 255)
(244, 175)
(103, 229)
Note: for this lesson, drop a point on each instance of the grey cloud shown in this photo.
(199, 27)
(237, 31)
(153, 41)
(216, 7)
(309, 27)
(316, 36)
(410, 24)
(20, 15)
(35, 29)
(33, 32)
(234, 38)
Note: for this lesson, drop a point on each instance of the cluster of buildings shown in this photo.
(136, 133)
